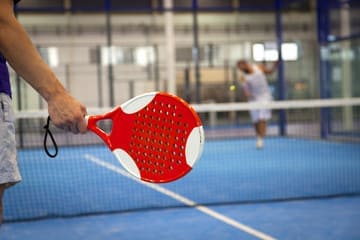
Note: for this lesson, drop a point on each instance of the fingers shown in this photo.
(72, 122)
(76, 126)
(68, 114)
(79, 124)
(74, 129)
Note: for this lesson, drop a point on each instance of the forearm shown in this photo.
(23, 57)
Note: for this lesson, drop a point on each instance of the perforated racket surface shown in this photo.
(157, 137)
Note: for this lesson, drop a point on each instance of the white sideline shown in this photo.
(181, 199)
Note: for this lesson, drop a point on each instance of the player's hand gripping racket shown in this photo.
(157, 137)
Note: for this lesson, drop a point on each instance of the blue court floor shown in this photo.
(337, 218)
(292, 189)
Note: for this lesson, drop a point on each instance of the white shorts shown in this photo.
(260, 114)
(9, 171)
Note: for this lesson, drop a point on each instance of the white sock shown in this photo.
(259, 142)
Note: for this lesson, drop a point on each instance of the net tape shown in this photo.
(226, 107)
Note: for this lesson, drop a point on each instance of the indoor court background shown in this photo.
(305, 182)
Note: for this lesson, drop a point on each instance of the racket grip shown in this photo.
(92, 125)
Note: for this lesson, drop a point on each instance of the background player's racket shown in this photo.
(156, 136)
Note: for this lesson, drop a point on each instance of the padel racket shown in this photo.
(157, 137)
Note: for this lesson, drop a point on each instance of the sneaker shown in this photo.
(259, 143)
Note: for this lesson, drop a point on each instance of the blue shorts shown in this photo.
(9, 170)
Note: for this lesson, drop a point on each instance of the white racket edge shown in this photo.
(194, 145)
(127, 162)
(137, 103)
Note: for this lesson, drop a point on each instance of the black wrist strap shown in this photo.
(48, 132)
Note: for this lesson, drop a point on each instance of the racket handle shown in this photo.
(92, 125)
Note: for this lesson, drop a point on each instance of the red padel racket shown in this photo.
(156, 136)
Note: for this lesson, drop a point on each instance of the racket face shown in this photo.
(157, 137)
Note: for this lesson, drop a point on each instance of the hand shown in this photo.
(67, 113)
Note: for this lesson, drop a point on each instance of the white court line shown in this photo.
(181, 199)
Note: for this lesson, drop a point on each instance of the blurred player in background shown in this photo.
(256, 89)
(65, 111)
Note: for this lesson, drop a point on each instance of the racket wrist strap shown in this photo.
(48, 132)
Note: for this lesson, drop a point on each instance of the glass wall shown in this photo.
(74, 40)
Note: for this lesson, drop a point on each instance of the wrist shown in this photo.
(52, 88)
(54, 93)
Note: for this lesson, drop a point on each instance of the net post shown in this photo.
(323, 32)
(322, 21)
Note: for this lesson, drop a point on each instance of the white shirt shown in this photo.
(257, 85)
